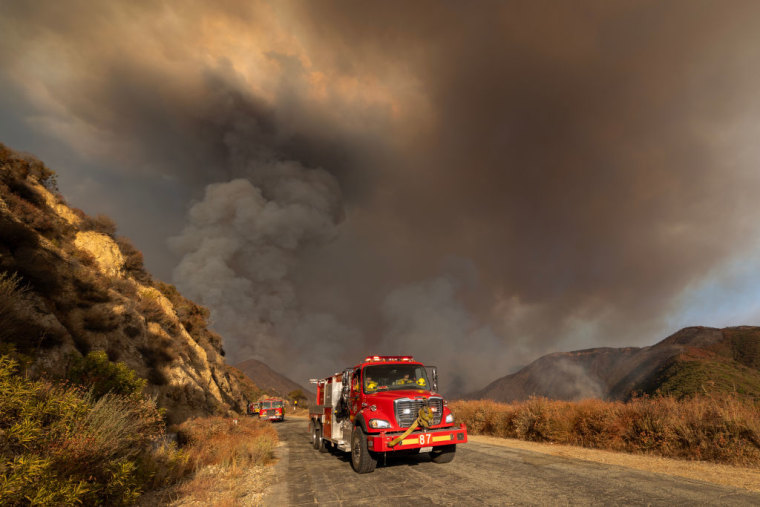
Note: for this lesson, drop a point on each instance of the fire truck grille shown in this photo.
(406, 410)
(270, 412)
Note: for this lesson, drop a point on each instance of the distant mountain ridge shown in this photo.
(691, 360)
(271, 381)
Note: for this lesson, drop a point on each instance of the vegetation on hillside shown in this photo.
(715, 428)
(64, 444)
(731, 366)
(684, 378)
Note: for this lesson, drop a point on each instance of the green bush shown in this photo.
(102, 376)
(59, 445)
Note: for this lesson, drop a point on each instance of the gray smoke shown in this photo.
(570, 381)
(428, 320)
(239, 252)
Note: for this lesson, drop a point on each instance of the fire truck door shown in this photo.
(353, 400)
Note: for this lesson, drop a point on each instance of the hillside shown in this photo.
(271, 381)
(693, 360)
(69, 285)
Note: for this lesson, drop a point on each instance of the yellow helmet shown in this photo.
(421, 381)
(371, 385)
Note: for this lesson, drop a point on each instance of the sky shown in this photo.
(474, 183)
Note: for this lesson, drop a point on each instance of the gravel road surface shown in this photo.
(481, 474)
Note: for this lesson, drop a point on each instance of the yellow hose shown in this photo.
(424, 419)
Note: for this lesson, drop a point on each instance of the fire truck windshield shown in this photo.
(271, 404)
(382, 377)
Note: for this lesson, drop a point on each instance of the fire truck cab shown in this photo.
(272, 409)
(386, 404)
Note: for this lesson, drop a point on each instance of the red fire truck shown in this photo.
(272, 409)
(386, 404)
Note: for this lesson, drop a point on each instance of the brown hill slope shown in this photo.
(693, 359)
(69, 285)
(269, 380)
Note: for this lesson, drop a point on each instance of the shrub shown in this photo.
(159, 353)
(15, 235)
(62, 446)
(90, 288)
(32, 214)
(19, 166)
(152, 310)
(101, 223)
(11, 293)
(103, 376)
(84, 257)
(100, 319)
(38, 267)
(17, 327)
(716, 428)
(133, 261)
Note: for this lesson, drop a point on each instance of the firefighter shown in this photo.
(369, 384)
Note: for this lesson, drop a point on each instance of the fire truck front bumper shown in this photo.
(423, 440)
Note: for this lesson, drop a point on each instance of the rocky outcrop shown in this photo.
(103, 249)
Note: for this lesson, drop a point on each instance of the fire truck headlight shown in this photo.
(450, 418)
(379, 423)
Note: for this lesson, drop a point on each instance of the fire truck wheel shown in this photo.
(323, 444)
(362, 460)
(316, 435)
(444, 454)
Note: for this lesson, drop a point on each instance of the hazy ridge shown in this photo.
(692, 360)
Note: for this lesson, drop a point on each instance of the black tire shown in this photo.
(444, 453)
(316, 435)
(316, 438)
(324, 445)
(362, 461)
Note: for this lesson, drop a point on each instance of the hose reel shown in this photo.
(424, 419)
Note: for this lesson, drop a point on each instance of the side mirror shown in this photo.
(346, 384)
(433, 377)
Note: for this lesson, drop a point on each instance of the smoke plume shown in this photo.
(316, 163)
(239, 251)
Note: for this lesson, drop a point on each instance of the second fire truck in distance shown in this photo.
(272, 409)
(386, 404)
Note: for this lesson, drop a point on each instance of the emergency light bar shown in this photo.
(375, 359)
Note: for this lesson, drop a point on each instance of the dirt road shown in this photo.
(481, 474)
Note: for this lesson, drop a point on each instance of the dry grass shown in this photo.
(225, 461)
(722, 429)
(226, 442)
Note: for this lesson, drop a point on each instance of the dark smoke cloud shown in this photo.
(318, 165)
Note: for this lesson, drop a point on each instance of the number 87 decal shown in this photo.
(424, 438)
